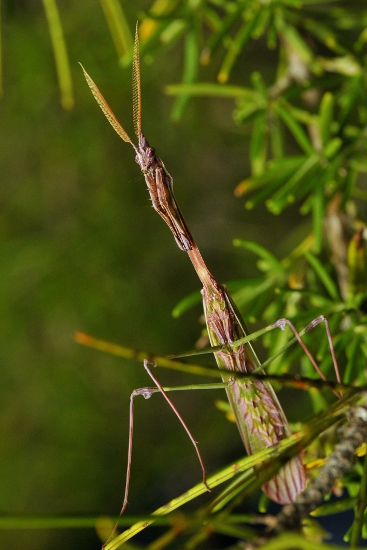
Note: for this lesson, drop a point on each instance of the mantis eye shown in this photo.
(150, 151)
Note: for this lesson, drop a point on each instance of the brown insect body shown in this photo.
(259, 415)
(160, 187)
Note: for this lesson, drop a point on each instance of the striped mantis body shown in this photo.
(258, 413)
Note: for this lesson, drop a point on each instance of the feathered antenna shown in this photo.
(106, 109)
(136, 86)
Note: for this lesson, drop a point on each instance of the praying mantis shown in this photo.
(260, 418)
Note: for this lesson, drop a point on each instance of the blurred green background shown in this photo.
(81, 249)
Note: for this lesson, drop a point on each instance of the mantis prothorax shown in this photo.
(258, 413)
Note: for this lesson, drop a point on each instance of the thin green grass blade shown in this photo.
(276, 138)
(207, 89)
(297, 43)
(1, 55)
(16, 523)
(296, 129)
(262, 23)
(140, 356)
(335, 507)
(190, 71)
(272, 34)
(186, 303)
(235, 344)
(60, 53)
(77, 522)
(255, 302)
(269, 259)
(288, 193)
(348, 101)
(258, 146)
(237, 45)
(318, 209)
(326, 112)
(222, 31)
(211, 17)
(323, 275)
(260, 86)
(278, 173)
(326, 35)
(173, 31)
(332, 147)
(118, 26)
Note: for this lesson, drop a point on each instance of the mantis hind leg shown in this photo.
(281, 323)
